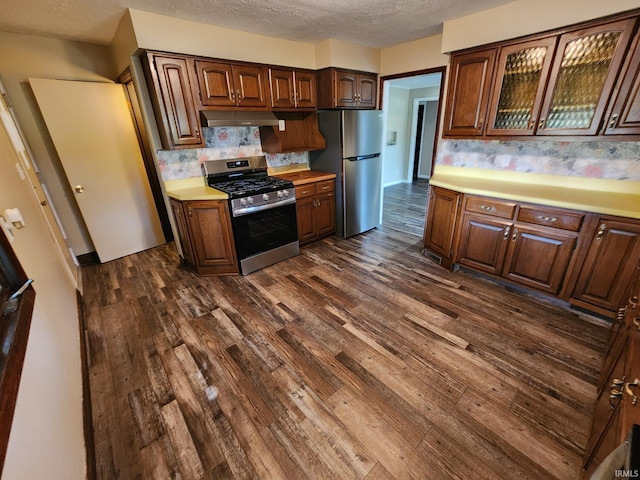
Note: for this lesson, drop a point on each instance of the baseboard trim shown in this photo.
(87, 416)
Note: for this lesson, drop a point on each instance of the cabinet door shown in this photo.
(346, 88)
(305, 89)
(606, 429)
(367, 88)
(215, 82)
(611, 261)
(483, 243)
(325, 210)
(250, 83)
(210, 227)
(470, 76)
(582, 78)
(179, 108)
(521, 75)
(282, 88)
(442, 215)
(183, 231)
(539, 257)
(306, 218)
(624, 117)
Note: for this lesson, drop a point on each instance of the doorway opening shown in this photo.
(411, 113)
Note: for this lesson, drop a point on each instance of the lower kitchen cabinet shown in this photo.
(617, 409)
(528, 245)
(205, 235)
(315, 210)
(614, 253)
(441, 222)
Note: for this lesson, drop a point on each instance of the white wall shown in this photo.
(524, 17)
(46, 439)
(394, 158)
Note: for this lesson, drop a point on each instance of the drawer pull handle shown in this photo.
(547, 219)
(487, 208)
(326, 187)
(616, 382)
(627, 389)
(304, 192)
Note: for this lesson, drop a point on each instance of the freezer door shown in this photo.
(361, 132)
(361, 194)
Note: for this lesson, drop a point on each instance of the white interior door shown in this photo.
(93, 133)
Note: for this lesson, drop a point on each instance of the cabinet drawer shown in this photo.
(551, 218)
(307, 190)
(490, 206)
(325, 186)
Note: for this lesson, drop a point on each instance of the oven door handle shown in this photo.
(239, 212)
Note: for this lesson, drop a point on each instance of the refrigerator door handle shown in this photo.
(362, 157)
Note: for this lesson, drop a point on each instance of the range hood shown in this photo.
(232, 118)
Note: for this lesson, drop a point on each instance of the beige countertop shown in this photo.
(612, 197)
(193, 188)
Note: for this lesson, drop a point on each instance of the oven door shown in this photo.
(265, 230)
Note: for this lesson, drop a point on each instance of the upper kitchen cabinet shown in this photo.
(547, 85)
(470, 76)
(582, 78)
(339, 88)
(624, 114)
(292, 89)
(230, 85)
(521, 76)
(173, 100)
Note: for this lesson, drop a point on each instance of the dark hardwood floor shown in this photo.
(357, 359)
(404, 207)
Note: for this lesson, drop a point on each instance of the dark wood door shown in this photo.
(483, 243)
(282, 85)
(215, 82)
(183, 231)
(582, 78)
(346, 88)
(442, 214)
(470, 76)
(521, 75)
(179, 108)
(210, 228)
(539, 257)
(366, 91)
(326, 213)
(624, 117)
(250, 83)
(612, 259)
(305, 89)
(306, 218)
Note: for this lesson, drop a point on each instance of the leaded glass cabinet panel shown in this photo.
(522, 73)
(582, 78)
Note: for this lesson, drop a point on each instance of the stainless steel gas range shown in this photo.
(263, 210)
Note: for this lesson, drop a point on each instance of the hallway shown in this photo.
(405, 207)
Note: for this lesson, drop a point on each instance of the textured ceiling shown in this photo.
(374, 23)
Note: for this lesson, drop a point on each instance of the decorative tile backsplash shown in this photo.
(610, 160)
(221, 143)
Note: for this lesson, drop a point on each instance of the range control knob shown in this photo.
(265, 197)
(280, 194)
(243, 201)
(285, 193)
(250, 200)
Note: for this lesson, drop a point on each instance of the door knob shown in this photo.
(79, 188)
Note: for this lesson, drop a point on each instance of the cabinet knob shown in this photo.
(515, 234)
(628, 391)
(507, 230)
(541, 124)
(636, 323)
(633, 301)
(613, 120)
(601, 231)
(615, 395)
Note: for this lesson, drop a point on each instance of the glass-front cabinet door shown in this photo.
(521, 76)
(582, 78)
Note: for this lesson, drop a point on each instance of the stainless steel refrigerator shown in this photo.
(354, 142)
